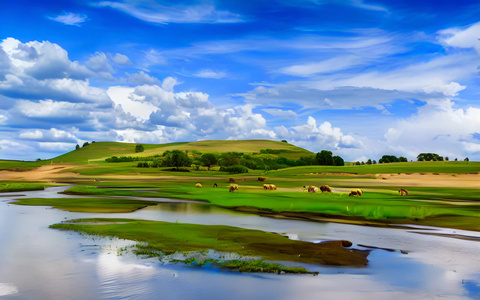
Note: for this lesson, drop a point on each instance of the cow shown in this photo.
(403, 192)
(199, 185)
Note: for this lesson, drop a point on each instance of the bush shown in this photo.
(139, 148)
(235, 169)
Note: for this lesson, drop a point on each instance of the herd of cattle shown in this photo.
(309, 189)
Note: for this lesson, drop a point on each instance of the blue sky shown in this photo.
(359, 78)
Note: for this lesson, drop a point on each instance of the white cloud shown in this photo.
(100, 65)
(324, 136)
(466, 37)
(282, 114)
(121, 59)
(207, 73)
(125, 97)
(153, 12)
(56, 147)
(264, 133)
(43, 70)
(52, 135)
(69, 19)
(142, 78)
(326, 66)
(437, 127)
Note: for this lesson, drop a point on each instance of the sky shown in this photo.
(359, 78)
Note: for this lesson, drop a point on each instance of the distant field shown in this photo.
(101, 150)
(390, 168)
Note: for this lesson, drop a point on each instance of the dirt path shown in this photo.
(43, 173)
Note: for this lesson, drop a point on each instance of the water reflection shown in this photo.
(41, 263)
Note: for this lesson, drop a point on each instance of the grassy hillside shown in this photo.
(17, 165)
(101, 150)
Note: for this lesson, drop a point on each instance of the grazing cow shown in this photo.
(269, 187)
(233, 188)
(215, 185)
(356, 193)
(403, 192)
(313, 189)
(325, 188)
(199, 185)
(261, 178)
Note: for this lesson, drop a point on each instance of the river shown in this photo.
(41, 263)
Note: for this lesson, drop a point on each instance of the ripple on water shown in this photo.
(7, 289)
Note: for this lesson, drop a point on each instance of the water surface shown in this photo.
(41, 263)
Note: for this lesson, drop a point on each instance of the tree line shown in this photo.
(232, 162)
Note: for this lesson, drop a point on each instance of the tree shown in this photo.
(208, 160)
(446, 158)
(338, 161)
(429, 157)
(228, 159)
(325, 158)
(139, 148)
(388, 159)
(176, 158)
(39, 159)
(369, 161)
(403, 159)
(284, 141)
(85, 144)
(374, 162)
(466, 159)
(77, 147)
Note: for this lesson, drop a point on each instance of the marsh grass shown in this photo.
(169, 238)
(20, 186)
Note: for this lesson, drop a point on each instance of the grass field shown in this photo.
(424, 205)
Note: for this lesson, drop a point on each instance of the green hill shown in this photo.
(100, 150)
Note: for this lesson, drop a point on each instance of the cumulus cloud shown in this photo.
(52, 135)
(69, 18)
(438, 127)
(323, 136)
(153, 12)
(100, 64)
(142, 78)
(44, 71)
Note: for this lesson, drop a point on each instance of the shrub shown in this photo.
(235, 169)
(139, 148)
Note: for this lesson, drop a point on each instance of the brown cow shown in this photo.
(325, 188)
(403, 192)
